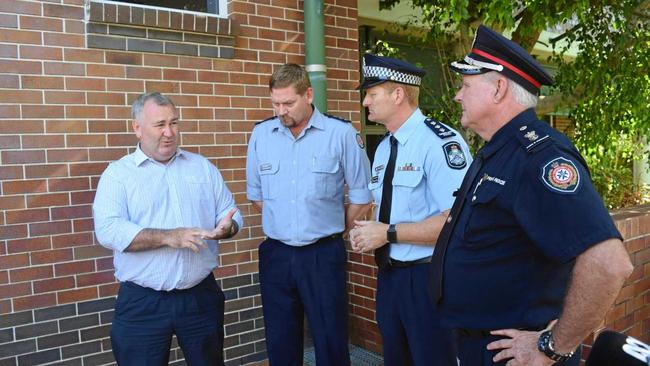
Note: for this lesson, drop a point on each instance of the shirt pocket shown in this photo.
(483, 215)
(269, 177)
(408, 189)
(324, 171)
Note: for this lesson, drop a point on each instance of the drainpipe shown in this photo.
(315, 52)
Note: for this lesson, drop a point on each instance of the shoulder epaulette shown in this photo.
(531, 140)
(439, 129)
(336, 117)
(262, 121)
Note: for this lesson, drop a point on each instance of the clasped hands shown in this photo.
(368, 235)
(194, 238)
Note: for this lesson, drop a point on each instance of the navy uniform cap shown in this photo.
(379, 69)
(493, 52)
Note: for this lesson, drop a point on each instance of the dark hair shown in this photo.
(290, 75)
(159, 99)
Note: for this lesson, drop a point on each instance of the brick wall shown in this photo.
(68, 71)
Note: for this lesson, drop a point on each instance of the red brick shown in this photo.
(46, 200)
(42, 111)
(86, 140)
(113, 71)
(96, 278)
(30, 273)
(76, 295)
(11, 172)
(14, 261)
(125, 85)
(54, 284)
(40, 23)
(83, 55)
(136, 72)
(160, 60)
(41, 82)
(42, 141)
(77, 26)
(106, 98)
(71, 212)
(26, 216)
(105, 264)
(213, 101)
(91, 251)
(51, 256)
(20, 36)
(67, 155)
(164, 86)
(23, 157)
(12, 202)
(9, 81)
(67, 184)
(78, 198)
(5, 306)
(20, 67)
(110, 154)
(29, 244)
(71, 268)
(104, 126)
(33, 302)
(64, 68)
(49, 228)
(195, 63)
(24, 186)
(72, 240)
(109, 290)
(63, 11)
(123, 58)
(20, 7)
(73, 83)
(4, 276)
(65, 126)
(81, 225)
(21, 96)
(113, 112)
(40, 53)
(122, 139)
(65, 97)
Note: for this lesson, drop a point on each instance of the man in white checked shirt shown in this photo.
(162, 211)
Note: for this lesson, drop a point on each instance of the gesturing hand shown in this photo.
(191, 238)
(225, 227)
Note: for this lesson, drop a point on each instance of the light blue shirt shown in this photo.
(137, 192)
(428, 170)
(300, 180)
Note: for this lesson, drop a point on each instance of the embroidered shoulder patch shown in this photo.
(561, 175)
(360, 141)
(439, 129)
(454, 155)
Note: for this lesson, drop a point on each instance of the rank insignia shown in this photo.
(360, 141)
(531, 135)
(408, 167)
(374, 179)
(561, 175)
(379, 168)
(454, 155)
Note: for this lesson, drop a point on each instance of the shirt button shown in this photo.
(293, 182)
(449, 219)
(293, 201)
(473, 198)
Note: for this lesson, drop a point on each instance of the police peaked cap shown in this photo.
(379, 69)
(493, 52)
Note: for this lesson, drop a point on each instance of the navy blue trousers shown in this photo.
(472, 351)
(299, 281)
(146, 319)
(408, 320)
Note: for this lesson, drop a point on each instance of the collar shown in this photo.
(508, 131)
(409, 126)
(316, 120)
(140, 157)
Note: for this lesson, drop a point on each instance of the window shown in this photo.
(202, 6)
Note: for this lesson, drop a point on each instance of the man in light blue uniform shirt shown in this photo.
(298, 163)
(417, 167)
(162, 211)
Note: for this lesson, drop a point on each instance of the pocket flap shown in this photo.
(409, 179)
(324, 165)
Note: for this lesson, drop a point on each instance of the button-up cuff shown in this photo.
(359, 196)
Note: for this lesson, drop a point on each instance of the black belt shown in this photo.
(402, 264)
(483, 333)
(319, 241)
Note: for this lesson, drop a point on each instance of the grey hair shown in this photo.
(522, 96)
(138, 104)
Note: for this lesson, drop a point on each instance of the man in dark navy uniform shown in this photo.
(528, 240)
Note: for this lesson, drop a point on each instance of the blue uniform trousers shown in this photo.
(309, 280)
(408, 320)
(472, 351)
(146, 319)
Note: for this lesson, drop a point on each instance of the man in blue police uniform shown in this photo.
(528, 239)
(417, 167)
(298, 163)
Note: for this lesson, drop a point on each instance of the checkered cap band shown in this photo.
(384, 73)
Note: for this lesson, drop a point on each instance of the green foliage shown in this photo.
(605, 87)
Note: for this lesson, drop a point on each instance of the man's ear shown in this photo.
(399, 95)
(501, 90)
(136, 128)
